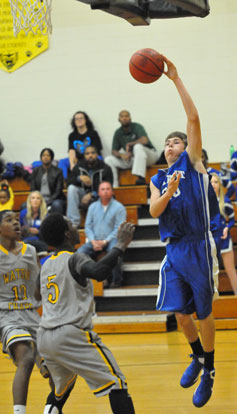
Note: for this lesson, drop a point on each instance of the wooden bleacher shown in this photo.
(126, 178)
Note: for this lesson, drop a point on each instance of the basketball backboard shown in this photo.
(139, 12)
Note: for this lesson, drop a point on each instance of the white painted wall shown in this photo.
(86, 68)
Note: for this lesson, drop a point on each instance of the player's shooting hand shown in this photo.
(171, 71)
(125, 234)
(173, 183)
(225, 233)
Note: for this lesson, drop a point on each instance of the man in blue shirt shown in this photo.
(102, 222)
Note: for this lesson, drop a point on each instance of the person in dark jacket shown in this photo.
(48, 179)
(84, 181)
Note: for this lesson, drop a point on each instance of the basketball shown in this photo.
(146, 65)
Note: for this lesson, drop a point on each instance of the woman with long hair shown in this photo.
(31, 218)
(227, 221)
(83, 135)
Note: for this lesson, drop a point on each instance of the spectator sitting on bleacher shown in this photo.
(137, 150)
(6, 196)
(225, 181)
(31, 218)
(48, 180)
(226, 245)
(101, 227)
(83, 183)
(82, 136)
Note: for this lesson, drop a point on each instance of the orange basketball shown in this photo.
(146, 65)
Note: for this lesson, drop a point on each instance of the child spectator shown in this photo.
(6, 196)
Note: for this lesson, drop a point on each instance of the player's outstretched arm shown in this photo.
(194, 147)
(102, 270)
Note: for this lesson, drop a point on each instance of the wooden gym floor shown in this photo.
(153, 364)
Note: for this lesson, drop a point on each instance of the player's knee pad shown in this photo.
(121, 402)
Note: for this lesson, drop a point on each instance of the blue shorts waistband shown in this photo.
(187, 238)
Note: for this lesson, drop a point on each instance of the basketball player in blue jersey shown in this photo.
(65, 337)
(19, 318)
(182, 198)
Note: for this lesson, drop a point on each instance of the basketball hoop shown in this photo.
(31, 16)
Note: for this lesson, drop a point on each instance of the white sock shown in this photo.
(19, 409)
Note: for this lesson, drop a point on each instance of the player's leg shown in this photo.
(191, 374)
(207, 329)
(55, 406)
(204, 391)
(188, 326)
(121, 402)
(23, 354)
(229, 264)
(203, 286)
(171, 281)
(94, 362)
(62, 379)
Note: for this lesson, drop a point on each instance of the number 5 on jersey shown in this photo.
(52, 297)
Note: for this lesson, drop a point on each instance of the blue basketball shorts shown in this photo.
(188, 276)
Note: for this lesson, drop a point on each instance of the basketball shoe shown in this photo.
(191, 374)
(204, 391)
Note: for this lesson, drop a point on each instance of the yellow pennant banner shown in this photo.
(16, 51)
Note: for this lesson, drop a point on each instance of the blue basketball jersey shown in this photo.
(192, 207)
